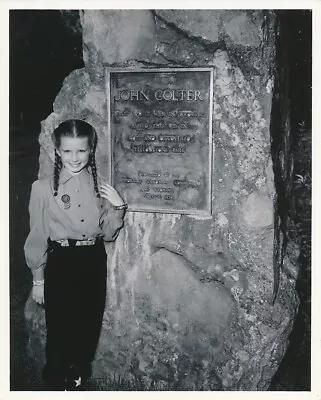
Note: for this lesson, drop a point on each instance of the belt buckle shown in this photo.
(88, 242)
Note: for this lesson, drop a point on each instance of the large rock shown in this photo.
(189, 298)
(242, 27)
(130, 35)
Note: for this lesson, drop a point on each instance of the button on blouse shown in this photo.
(77, 215)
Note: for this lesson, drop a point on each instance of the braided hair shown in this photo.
(92, 162)
(57, 169)
(75, 128)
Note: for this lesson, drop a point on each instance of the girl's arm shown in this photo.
(111, 221)
(36, 244)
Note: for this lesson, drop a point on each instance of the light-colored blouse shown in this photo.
(80, 215)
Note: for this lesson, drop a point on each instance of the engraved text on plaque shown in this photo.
(160, 135)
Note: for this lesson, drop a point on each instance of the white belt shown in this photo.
(66, 242)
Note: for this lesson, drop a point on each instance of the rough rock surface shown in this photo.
(130, 35)
(189, 298)
(239, 27)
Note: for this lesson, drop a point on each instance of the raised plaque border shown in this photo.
(110, 70)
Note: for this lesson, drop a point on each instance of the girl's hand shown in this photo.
(38, 294)
(110, 194)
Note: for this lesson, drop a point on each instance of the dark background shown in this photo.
(45, 46)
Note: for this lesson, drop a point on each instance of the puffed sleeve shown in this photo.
(36, 244)
(111, 221)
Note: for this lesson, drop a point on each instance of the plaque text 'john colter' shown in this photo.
(159, 95)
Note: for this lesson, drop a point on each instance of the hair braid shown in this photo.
(58, 165)
(94, 172)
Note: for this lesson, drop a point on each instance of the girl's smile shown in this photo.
(74, 153)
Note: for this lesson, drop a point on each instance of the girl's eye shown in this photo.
(82, 151)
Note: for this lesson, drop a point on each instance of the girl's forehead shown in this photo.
(74, 142)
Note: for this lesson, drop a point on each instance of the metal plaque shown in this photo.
(160, 138)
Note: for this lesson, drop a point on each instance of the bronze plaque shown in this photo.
(160, 136)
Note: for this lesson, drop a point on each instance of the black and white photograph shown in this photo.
(160, 196)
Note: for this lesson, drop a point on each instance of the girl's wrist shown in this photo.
(38, 282)
(123, 206)
(38, 273)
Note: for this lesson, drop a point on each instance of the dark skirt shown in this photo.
(75, 294)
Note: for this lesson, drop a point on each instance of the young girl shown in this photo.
(70, 218)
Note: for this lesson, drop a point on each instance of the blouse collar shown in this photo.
(65, 175)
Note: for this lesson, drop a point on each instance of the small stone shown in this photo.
(243, 355)
(235, 274)
(222, 220)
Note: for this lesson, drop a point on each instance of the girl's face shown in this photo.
(74, 153)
